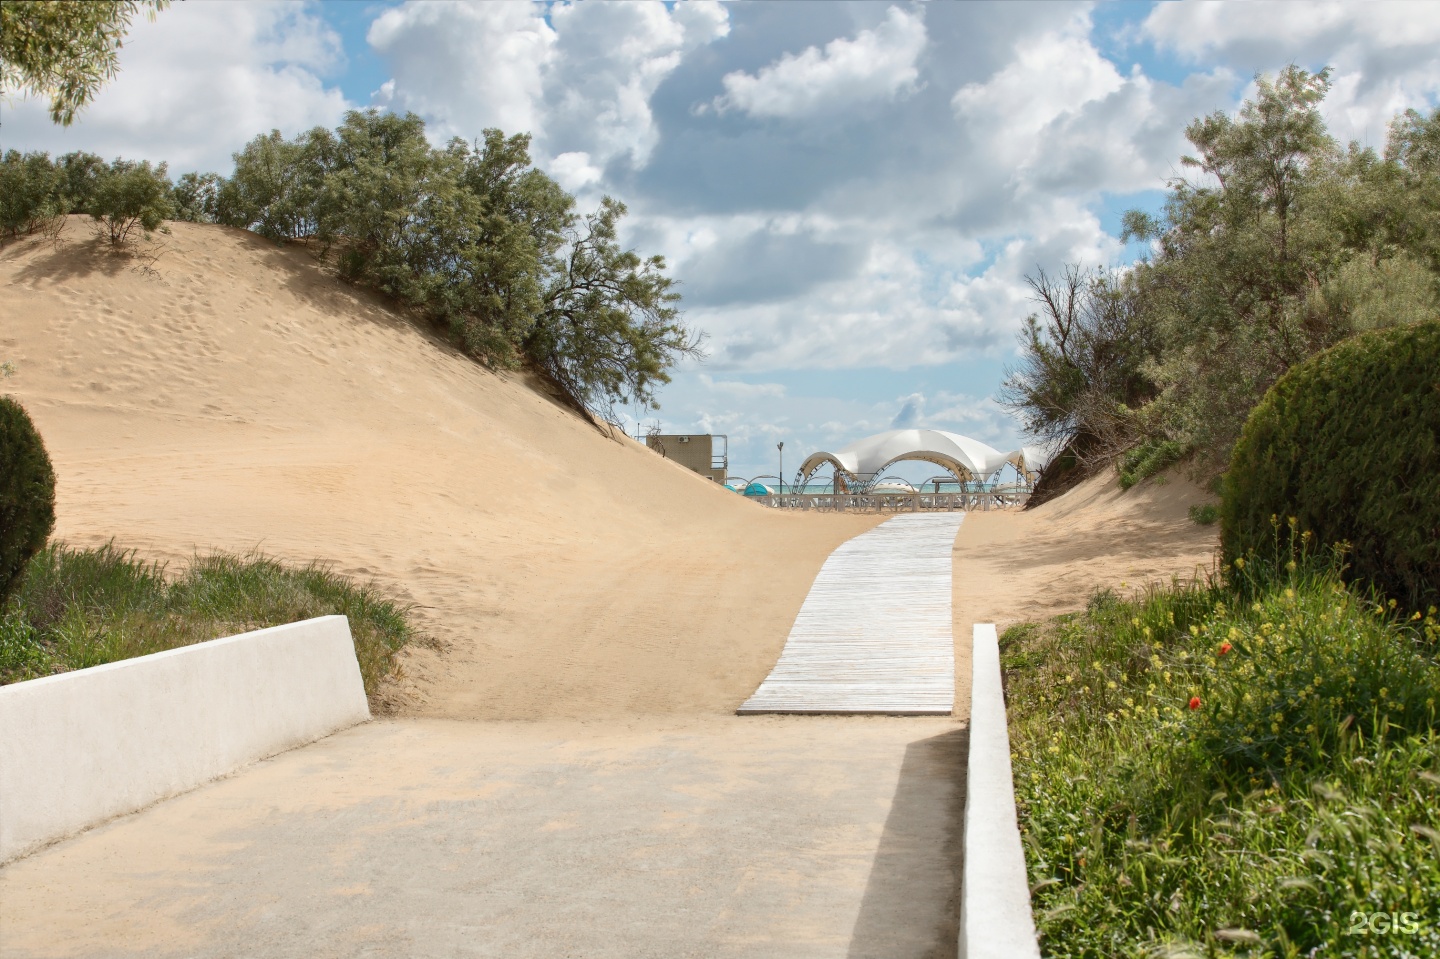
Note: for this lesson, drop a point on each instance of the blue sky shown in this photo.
(850, 194)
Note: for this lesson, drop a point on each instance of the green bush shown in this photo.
(128, 196)
(1204, 514)
(29, 193)
(27, 494)
(1148, 459)
(1347, 447)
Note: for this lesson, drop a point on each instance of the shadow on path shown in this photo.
(911, 906)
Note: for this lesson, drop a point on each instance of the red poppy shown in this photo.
(1225, 648)
(1194, 702)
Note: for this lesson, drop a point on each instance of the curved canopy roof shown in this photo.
(1036, 458)
(870, 456)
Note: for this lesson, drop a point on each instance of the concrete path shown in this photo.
(765, 837)
(874, 634)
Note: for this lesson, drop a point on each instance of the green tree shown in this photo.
(474, 238)
(195, 198)
(1287, 245)
(130, 196)
(79, 174)
(610, 329)
(64, 50)
(274, 189)
(1082, 373)
(29, 193)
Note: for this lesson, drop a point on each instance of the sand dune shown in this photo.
(242, 398)
(236, 396)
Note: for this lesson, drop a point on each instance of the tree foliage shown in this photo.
(1284, 244)
(29, 193)
(27, 494)
(129, 196)
(609, 329)
(476, 239)
(122, 197)
(65, 51)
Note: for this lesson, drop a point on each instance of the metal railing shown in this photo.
(895, 502)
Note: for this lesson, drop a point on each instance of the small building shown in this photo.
(706, 453)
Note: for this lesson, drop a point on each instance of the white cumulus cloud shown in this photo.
(878, 64)
(196, 84)
(1382, 54)
(580, 83)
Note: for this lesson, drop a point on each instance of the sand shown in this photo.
(233, 395)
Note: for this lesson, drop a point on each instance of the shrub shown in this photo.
(27, 494)
(1347, 446)
(1204, 514)
(29, 193)
(1147, 459)
(195, 198)
(130, 195)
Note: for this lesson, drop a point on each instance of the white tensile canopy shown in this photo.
(868, 458)
(1036, 458)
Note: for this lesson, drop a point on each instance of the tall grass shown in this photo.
(84, 607)
(1240, 769)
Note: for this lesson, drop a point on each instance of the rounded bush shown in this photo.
(27, 494)
(1348, 443)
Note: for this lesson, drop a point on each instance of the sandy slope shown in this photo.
(241, 398)
(238, 397)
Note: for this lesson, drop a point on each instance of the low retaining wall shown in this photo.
(995, 917)
(85, 746)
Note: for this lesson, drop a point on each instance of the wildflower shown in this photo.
(1194, 630)
(1110, 684)
(1290, 566)
(1194, 702)
(1239, 562)
(1317, 680)
(1225, 648)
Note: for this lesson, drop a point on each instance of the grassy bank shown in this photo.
(1246, 770)
(85, 607)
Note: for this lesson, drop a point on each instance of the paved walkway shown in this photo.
(761, 837)
(874, 634)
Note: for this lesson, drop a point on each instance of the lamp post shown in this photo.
(781, 447)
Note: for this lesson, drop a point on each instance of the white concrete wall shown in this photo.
(995, 917)
(82, 747)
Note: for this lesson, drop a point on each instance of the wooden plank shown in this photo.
(874, 632)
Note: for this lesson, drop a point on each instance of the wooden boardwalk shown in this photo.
(874, 634)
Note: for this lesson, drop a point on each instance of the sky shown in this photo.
(850, 195)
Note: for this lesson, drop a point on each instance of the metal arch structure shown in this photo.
(863, 461)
